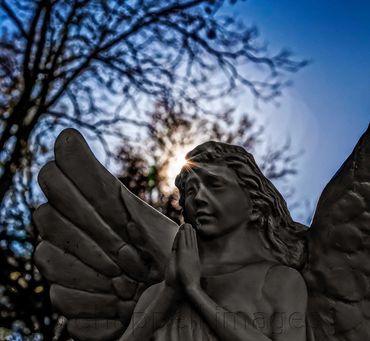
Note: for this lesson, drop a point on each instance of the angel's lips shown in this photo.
(203, 213)
(203, 217)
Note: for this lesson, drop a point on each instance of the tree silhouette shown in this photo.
(86, 63)
(98, 66)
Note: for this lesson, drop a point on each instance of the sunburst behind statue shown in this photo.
(176, 162)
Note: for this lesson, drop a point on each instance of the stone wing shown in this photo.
(101, 246)
(338, 268)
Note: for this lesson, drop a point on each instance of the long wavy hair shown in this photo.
(285, 238)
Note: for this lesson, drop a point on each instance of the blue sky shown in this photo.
(328, 107)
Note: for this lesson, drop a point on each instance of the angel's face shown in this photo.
(214, 201)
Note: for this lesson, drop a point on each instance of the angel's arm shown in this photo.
(288, 323)
(232, 326)
(151, 312)
(286, 291)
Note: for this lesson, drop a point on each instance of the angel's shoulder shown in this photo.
(281, 277)
(276, 271)
(283, 283)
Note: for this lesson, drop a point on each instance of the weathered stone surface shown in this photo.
(74, 303)
(104, 248)
(347, 285)
(60, 267)
(339, 250)
(84, 227)
(65, 197)
(132, 263)
(56, 229)
(124, 287)
(95, 329)
(347, 317)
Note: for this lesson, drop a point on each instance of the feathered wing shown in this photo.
(101, 245)
(338, 268)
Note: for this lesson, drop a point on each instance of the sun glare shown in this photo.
(174, 166)
(175, 162)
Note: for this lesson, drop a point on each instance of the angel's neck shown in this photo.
(232, 251)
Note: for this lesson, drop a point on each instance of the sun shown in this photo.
(175, 163)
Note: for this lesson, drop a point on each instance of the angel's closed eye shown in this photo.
(216, 184)
(190, 190)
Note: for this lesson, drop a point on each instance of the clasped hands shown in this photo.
(183, 270)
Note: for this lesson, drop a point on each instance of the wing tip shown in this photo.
(67, 139)
(67, 134)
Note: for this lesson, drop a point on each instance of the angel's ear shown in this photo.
(254, 215)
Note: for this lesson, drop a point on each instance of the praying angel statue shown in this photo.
(238, 269)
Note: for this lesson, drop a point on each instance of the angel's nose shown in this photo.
(202, 196)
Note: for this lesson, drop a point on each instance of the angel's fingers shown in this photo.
(191, 238)
(188, 236)
(182, 241)
(176, 241)
(194, 239)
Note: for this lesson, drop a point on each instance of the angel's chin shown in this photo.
(207, 230)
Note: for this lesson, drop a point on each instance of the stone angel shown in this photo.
(239, 268)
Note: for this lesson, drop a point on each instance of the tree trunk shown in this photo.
(12, 165)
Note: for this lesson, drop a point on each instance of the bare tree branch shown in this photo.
(13, 16)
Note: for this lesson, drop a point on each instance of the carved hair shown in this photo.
(284, 237)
